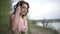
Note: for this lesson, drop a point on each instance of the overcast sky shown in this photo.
(43, 9)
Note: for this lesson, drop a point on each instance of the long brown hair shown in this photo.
(20, 3)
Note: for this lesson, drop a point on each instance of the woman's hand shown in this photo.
(18, 10)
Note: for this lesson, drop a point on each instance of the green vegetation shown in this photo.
(5, 8)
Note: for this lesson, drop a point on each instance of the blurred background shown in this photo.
(43, 16)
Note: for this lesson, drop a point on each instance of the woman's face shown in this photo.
(24, 9)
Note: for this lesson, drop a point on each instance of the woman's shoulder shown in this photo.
(12, 16)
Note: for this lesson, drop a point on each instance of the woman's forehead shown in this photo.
(24, 5)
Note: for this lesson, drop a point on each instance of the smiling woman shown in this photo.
(18, 22)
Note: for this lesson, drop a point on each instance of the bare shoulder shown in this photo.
(12, 16)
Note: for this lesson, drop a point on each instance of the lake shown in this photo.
(55, 25)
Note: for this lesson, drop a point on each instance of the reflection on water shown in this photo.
(54, 24)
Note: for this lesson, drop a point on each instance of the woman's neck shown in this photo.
(21, 16)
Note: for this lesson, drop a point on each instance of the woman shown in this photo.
(18, 22)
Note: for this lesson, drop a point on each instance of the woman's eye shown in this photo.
(23, 7)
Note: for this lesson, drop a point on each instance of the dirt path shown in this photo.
(36, 31)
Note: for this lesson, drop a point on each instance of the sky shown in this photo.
(43, 9)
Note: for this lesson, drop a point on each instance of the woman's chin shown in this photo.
(23, 14)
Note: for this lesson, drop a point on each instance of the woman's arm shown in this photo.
(14, 18)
